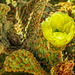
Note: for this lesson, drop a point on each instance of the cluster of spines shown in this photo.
(23, 61)
(67, 8)
(36, 43)
(23, 11)
(63, 68)
(46, 56)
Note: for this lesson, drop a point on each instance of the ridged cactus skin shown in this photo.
(63, 68)
(23, 11)
(23, 61)
(6, 28)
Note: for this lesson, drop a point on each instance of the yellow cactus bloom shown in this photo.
(58, 29)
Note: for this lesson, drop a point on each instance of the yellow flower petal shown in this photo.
(59, 29)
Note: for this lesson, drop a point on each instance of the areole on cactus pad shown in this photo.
(58, 29)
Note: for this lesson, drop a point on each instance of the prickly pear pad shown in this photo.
(22, 61)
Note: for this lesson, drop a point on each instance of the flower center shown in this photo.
(56, 30)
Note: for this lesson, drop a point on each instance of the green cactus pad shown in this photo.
(22, 61)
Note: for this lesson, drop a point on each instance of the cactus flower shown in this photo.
(58, 29)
